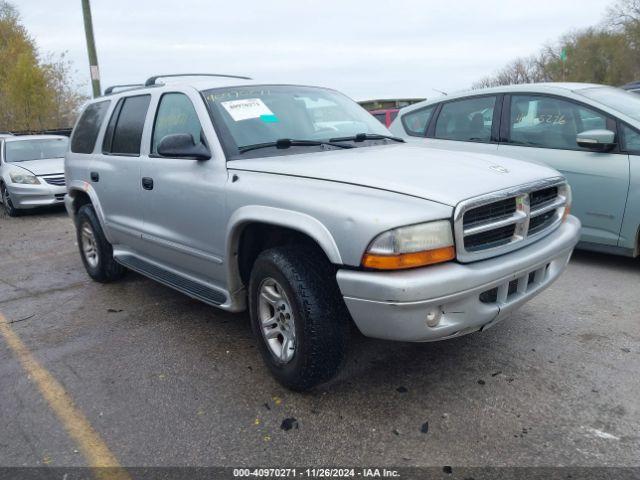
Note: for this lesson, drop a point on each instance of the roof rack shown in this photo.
(128, 86)
(152, 80)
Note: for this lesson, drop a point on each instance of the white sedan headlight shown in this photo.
(24, 178)
(410, 247)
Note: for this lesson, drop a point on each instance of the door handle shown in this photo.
(95, 177)
(147, 183)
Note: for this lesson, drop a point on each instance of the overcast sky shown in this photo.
(365, 48)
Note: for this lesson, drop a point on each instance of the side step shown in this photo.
(184, 285)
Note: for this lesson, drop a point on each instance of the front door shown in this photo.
(543, 129)
(183, 199)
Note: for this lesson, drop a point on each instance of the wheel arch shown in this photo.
(269, 223)
(82, 193)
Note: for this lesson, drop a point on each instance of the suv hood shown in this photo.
(442, 176)
(46, 166)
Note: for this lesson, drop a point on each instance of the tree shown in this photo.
(34, 94)
(608, 54)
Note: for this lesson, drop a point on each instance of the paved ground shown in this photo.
(165, 380)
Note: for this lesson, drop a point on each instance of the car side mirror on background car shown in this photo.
(182, 145)
(599, 140)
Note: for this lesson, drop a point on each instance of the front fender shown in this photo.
(275, 216)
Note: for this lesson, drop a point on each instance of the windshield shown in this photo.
(246, 116)
(625, 102)
(26, 150)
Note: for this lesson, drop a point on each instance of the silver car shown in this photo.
(32, 171)
(296, 204)
(590, 133)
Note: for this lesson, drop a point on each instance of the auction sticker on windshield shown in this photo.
(247, 108)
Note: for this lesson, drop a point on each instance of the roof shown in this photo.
(20, 138)
(543, 87)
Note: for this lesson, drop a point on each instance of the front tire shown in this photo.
(96, 252)
(7, 204)
(298, 316)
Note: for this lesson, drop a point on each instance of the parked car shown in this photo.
(590, 133)
(31, 171)
(385, 116)
(632, 87)
(229, 191)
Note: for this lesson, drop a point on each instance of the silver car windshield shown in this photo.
(620, 100)
(267, 113)
(27, 150)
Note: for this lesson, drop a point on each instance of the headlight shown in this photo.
(27, 178)
(565, 191)
(410, 247)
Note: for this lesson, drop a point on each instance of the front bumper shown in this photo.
(466, 297)
(32, 196)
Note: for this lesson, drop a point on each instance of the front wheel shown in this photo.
(298, 316)
(95, 250)
(7, 204)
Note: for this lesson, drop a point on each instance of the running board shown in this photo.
(185, 285)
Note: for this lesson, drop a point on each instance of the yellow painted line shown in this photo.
(89, 443)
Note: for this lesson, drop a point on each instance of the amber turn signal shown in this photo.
(408, 260)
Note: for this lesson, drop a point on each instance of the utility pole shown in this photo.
(91, 48)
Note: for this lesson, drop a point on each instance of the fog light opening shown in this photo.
(433, 317)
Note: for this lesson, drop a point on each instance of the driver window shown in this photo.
(550, 122)
(175, 115)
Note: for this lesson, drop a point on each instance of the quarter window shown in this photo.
(550, 122)
(176, 114)
(86, 132)
(631, 139)
(415, 123)
(467, 120)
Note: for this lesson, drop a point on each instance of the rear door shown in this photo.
(115, 175)
(543, 129)
(183, 199)
(468, 124)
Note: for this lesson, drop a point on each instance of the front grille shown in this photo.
(492, 211)
(490, 239)
(543, 196)
(539, 223)
(57, 180)
(503, 221)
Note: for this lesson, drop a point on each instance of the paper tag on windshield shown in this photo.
(246, 109)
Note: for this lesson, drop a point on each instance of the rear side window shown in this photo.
(176, 114)
(85, 134)
(467, 120)
(124, 131)
(550, 122)
(415, 123)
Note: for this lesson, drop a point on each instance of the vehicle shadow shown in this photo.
(53, 211)
(605, 260)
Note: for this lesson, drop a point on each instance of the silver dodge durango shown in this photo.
(296, 204)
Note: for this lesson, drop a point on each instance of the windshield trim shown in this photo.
(232, 151)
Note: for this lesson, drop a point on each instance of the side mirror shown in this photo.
(182, 145)
(598, 140)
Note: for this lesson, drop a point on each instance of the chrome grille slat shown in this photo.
(56, 179)
(503, 221)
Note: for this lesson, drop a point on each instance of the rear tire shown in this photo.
(7, 204)
(295, 300)
(96, 252)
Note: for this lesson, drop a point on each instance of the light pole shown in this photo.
(91, 48)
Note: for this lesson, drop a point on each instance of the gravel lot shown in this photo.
(168, 381)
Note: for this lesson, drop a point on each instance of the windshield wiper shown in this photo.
(361, 137)
(288, 142)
